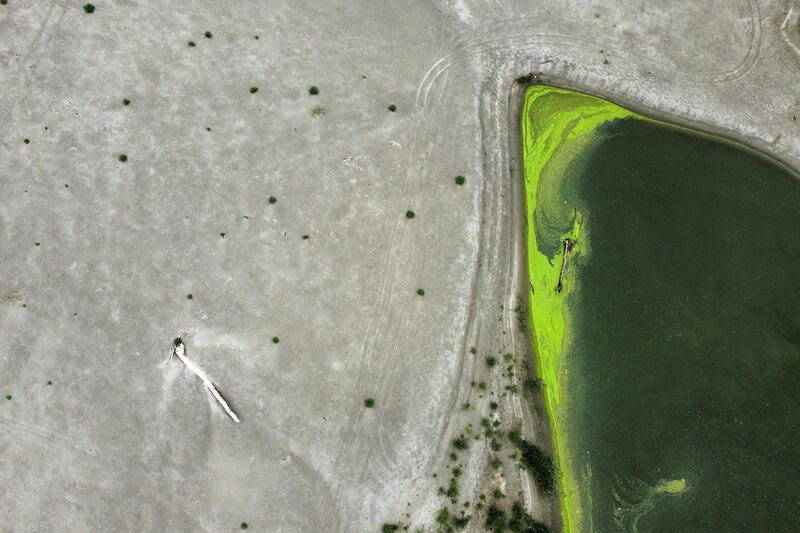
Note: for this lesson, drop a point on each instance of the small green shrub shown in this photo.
(491, 361)
(3, 2)
(421, 292)
(89, 8)
(122, 158)
(125, 101)
(305, 237)
(189, 296)
(191, 43)
(495, 519)
(410, 214)
(389, 528)
(522, 522)
(275, 340)
(253, 90)
(208, 35)
(460, 180)
(392, 108)
(460, 443)
(26, 141)
(313, 90)
(272, 199)
(244, 525)
(539, 464)
(369, 403)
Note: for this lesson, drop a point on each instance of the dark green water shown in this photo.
(685, 361)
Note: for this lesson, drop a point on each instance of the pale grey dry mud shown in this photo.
(98, 256)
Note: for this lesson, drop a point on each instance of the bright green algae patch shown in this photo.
(671, 358)
(557, 125)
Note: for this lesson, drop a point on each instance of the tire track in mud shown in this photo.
(481, 45)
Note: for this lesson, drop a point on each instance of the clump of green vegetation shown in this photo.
(3, 2)
(421, 292)
(491, 361)
(460, 180)
(189, 296)
(392, 108)
(275, 340)
(191, 43)
(498, 494)
(305, 237)
(410, 214)
(122, 158)
(253, 90)
(466, 406)
(272, 199)
(317, 112)
(532, 385)
(472, 350)
(222, 234)
(369, 403)
(26, 141)
(8, 396)
(125, 101)
(496, 463)
(208, 35)
(522, 522)
(537, 461)
(313, 90)
(495, 445)
(256, 37)
(243, 525)
(443, 516)
(389, 528)
(89, 8)
(461, 522)
(49, 382)
(460, 443)
(495, 519)
(482, 385)
(493, 406)
(176, 341)
(522, 316)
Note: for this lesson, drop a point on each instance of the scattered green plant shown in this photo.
(89, 8)
(389, 528)
(275, 340)
(460, 443)
(26, 141)
(313, 90)
(392, 108)
(537, 462)
(125, 101)
(272, 199)
(191, 43)
(421, 292)
(460, 180)
(491, 361)
(410, 214)
(369, 403)
(208, 35)
(189, 296)
(522, 522)
(317, 112)
(253, 90)
(122, 158)
(495, 519)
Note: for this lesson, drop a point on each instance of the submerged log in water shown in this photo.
(569, 244)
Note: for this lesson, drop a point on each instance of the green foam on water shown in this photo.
(557, 125)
